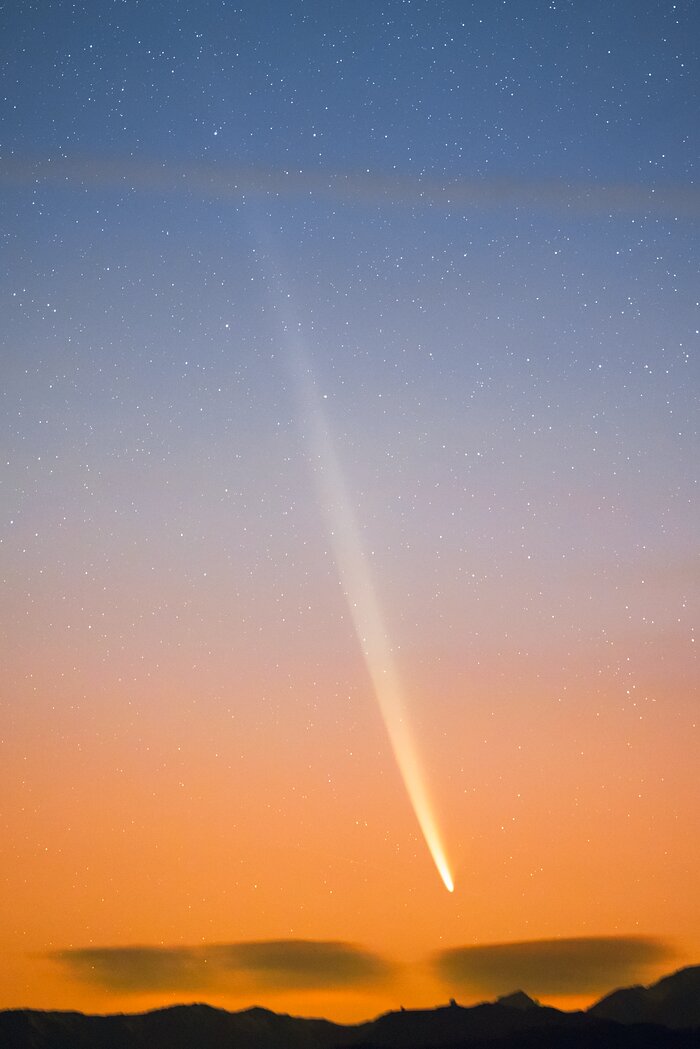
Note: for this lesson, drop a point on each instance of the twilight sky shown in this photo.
(349, 501)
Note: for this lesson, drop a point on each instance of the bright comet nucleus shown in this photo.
(368, 621)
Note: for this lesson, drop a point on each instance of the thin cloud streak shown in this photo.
(457, 194)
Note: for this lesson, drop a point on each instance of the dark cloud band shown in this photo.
(580, 965)
(278, 964)
(302, 963)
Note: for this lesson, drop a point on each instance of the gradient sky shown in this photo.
(345, 343)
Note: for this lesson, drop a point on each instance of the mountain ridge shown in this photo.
(665, 1015)
(673, 1001)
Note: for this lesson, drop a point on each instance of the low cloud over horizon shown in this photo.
(578, 965)
(266, 965)
(542, 968)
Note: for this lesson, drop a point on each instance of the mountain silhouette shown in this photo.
(673, 1002)
(518, 1000)
(663, 1016)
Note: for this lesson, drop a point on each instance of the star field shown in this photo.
(472, 229)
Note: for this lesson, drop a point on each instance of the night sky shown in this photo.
(349, 504)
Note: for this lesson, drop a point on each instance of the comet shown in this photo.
(357, 580)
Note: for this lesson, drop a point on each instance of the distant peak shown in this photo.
(518, 1000)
